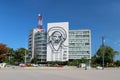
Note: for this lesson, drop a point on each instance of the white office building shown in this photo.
(79, 44)
(76, 43)
(37, 43)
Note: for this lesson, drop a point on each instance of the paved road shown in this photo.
(59, 74)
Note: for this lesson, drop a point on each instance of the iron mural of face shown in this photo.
(56, 37)
(57, 42)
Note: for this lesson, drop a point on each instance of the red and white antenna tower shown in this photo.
(40, 26)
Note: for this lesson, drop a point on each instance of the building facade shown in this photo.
(79, 44)
(64, 44)
(37, 45)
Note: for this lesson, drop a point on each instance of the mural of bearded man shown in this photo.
(56, 38)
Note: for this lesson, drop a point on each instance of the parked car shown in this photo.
(3, 65)
(35, 65)
(22, 65)
(99, 67)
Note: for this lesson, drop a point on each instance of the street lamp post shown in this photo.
(103, 53)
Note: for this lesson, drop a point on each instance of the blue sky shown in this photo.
(18, 17)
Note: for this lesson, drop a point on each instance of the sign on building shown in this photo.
(57, 41)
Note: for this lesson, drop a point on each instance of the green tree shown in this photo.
(10, 56)
(19, 55)
(83, 60)
(95, 61)
(73, 62)
(109, 55)
(117, 63)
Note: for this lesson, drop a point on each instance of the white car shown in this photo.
(98, 67)
(35, 65)
(3, 65)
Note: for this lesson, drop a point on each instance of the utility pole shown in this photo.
(25, 57)
(9, 57)
(103, 53)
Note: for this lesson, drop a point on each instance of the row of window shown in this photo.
(78, 40)
(78, 36)
(40, 52)
(78, 32)
(40, 45)
(41, 33)
(79, 48)
(79, 52)
(40, 41)
(40, 38)
(40, 48)
(79, 44)
(41, 57)
(79, 57)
